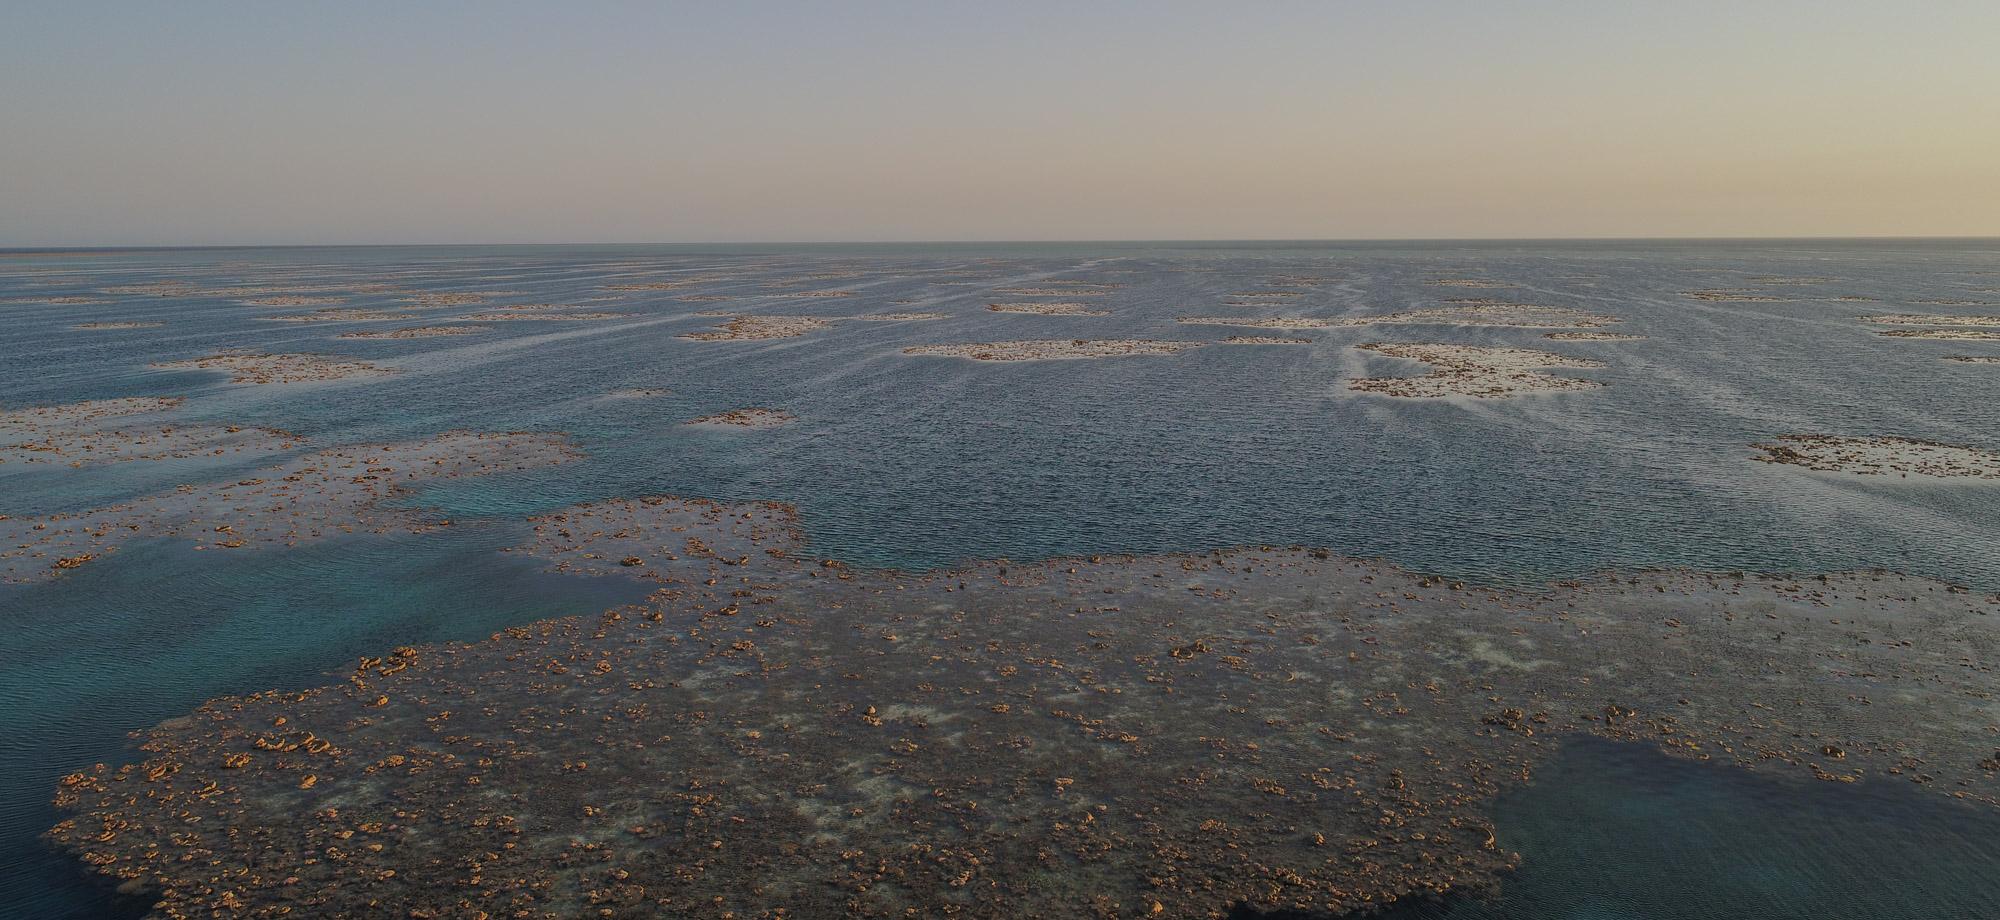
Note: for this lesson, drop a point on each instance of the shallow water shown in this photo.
(919, 462)
(1609, 831)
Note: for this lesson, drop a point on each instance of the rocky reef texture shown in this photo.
(1973, 359)
(1591, 337)
(337, 490)
(1257, 322)
(1050, 308)
(55, 300)
(417, 332)
(1488, 313)
(900, 317)
(292, 300)
(1170, 736)
(754, 417)
(1727, 295)
(260, 368)
(1944, 335)
(117, 430)
(90, 412)
(1264, 295)
(522, 314)
(1881, 456)
(1931, 319)
(1057, 289)
(338, 315)
(1264, 340)
(444, 300)
(759, 328)
(1474, 370)
(1051, 349)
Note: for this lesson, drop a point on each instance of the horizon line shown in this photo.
(167, 247)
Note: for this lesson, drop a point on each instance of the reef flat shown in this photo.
(1051, 349)
(258, 368)
(118, 430)
(754, 417)
(332, 491)
(1875, 456)
(1473, 370)
(758, 328)
(1051, 308)
(1176, 736)
(417, 332)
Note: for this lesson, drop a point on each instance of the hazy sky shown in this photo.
(358, 122)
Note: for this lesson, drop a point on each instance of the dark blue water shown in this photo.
(1612, 831)
(914, 462)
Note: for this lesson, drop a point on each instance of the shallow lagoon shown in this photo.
(1609, 831)
(913, 463)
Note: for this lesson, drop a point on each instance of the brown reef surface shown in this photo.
(260, 368)
(338, 315)
(1481, 371)
(1048, 308)
(1944, 335)
(1932, 319)
(1488, 313)
(1592, 337)
(772, 735)
(416, 332)
(331, 491)
(1264, 340)
(1255, 322)
(125, 429)
(755, 417)
(746, 328)
(1051, 349)
(1882, 455)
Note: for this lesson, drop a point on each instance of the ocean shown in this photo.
(913, 463)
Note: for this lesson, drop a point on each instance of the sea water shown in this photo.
(915, 463)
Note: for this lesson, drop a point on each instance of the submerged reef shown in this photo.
(337, 315)
(758, 328)
(755, 417)
(332, 491)
(1473, 370)
(117, 430)
(1876, 456)
(1051, 308)
(1051, 349)
(257, 368)
(1488, 313)
(1591, 337)
(1944, 335)
(771, 734)
(1931, 319)
(1256, 322)
(417, 332)
(1264, 340)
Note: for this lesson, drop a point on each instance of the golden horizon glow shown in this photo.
(215, 123)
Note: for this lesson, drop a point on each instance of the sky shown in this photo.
(214, 123)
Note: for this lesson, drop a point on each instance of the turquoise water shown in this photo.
(914, 463)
